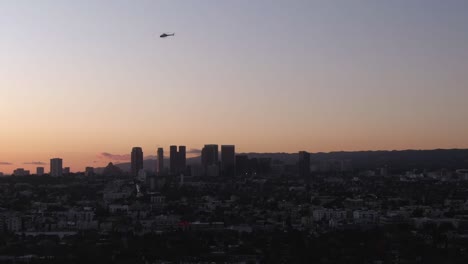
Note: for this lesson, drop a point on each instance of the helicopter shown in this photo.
(167, 35)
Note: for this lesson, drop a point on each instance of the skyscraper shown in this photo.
(209, 155)
(304, 164)
(56, 169)
(160, 162)
(173, 159)
(177, 160)
(137, 161)
(181, 160)
(228, 160)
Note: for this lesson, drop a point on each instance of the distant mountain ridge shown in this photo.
(394, 159)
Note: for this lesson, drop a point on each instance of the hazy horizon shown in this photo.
(80, 78)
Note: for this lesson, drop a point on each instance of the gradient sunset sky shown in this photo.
(79, 78)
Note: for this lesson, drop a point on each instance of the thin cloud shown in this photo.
(110, 156)
(194, 151)
(5, 163)
(35, 163)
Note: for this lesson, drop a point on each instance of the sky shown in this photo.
(88, 80)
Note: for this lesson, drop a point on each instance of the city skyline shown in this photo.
(210, 154)
(86, 81)
(177, 161)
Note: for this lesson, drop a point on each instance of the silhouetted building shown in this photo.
(263, 166)
(209, 155)
(196, 170)
(177, 160)
(160, 162)
(228, 160)
(242, 165)
(20, 172)
(56, 169)
(181, 160)
(277, 167)
(89, 171)
(334, 165)
(137, 161)
(303, 164)
(40, 171)
(212, 170)
(142, 174)
(172, 159)
(253, 166)
(66, 170)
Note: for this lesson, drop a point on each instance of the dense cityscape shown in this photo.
(233, 132)
(241, 208)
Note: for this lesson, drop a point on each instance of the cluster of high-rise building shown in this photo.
(177, 160)
(215, 161)
(210, 162)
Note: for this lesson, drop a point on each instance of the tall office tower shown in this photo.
(209, 155)
(173, 159)
(228, 160)
(304, 164)
(177, 160)
(181, 160)
(137, 161)
(40, 171)
(160, 162)
(56, 169)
